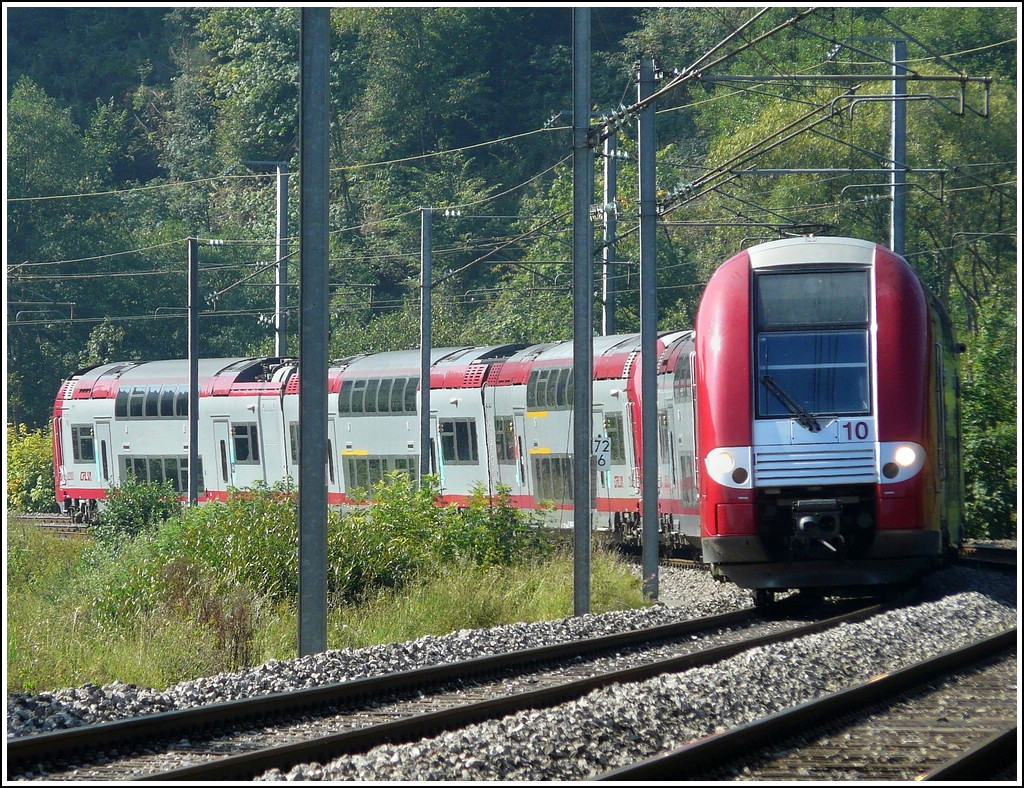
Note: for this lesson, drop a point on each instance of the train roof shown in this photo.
(104, 380)
(812, 249)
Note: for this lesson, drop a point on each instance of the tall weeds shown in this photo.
(171, 595)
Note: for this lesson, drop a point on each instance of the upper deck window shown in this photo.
(378, 395)
(817, 298)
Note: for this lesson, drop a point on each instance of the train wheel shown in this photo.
(763, 597)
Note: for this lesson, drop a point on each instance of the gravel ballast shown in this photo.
(608, 728)
(614, 726)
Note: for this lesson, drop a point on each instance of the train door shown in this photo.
(522, 466)
(333, 465)
(436, 461)
(628, 435)
(224, 454)
(696, 431)
(104, 453)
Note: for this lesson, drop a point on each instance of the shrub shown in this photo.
(30, 484)
(133, 508)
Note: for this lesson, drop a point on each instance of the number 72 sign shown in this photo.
(602, 451)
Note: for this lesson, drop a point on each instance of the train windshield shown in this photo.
(812, 343)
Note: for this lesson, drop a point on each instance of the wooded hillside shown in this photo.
(130, 130)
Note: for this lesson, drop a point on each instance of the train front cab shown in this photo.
(817, 418)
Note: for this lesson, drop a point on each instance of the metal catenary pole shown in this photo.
(610, 228)
(281, 288)
(648, 333)
(281, 277)
(313, 327)
(898, 221)
(426, 228)
(583, 307)
(193, 371)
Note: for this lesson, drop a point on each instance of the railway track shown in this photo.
(937, 719)
(242, 739)
(990, 557)
(58, 524)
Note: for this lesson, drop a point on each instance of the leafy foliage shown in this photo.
(990, 427)
(30, 482)
(134, 508)
(250, 542)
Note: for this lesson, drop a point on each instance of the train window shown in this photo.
(411, 389)
(155, 470)
(561, 387)
(135, 404)
(554, 475)
(167, 402)
(458, 441)
(366, 472)
(384, 395)
(121, 404)
(377, 466)
(293, 441)
(82, 445)
(330, 459)
(823, 372)
(153, 402)
(664, 437)
(345, 397)
(550, 389)
(171, 473)
(357, 474)
(406, 465)
(103, 456)
(181, 402)
(247, 443)
(504, 439)
(370, 404)
(398, 395)
(224, 461)
(531, 389)
(540, 391)
(358, 392)
(817, 298)
(613, 429)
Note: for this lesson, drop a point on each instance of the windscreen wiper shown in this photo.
(803, 416)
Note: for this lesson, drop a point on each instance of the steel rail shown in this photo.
(986, 757)
(737, 743)
(284, 757)
(989, 557)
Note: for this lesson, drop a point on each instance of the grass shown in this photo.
(60, 632)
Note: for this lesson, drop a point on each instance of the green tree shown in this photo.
(30, 483)
(990, 423)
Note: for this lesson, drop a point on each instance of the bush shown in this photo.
(990, 424)
(133, 508)
(30, 484)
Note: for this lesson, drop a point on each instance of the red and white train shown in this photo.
(808, 430)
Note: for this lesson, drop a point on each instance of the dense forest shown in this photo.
(130, 130)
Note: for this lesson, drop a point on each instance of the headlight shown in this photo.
(900, 460)
(905, 456)
(721, 462)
